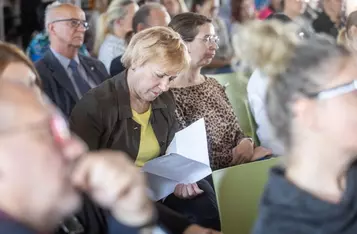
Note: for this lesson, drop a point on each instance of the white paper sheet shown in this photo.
(186, 161)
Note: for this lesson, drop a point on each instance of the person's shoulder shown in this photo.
(213, 83)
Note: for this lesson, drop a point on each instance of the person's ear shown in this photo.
(50, 28)
(305, 112)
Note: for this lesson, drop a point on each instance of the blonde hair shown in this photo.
(159, 45)
(296, 68)
(267, 45)
(116, 10)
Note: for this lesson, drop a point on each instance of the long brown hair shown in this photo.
(9, 53)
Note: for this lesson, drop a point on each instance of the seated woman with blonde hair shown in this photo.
(135, 112)
(311, 103)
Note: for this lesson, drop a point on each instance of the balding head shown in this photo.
(66, 25)
(150, 15)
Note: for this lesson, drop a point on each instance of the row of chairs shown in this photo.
(239, 188)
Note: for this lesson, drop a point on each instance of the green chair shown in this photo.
(238, 191)
(236, 90)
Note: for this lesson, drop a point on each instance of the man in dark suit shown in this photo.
(66, 75)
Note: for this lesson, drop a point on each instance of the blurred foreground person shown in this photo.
(311, 103)
(43, 180)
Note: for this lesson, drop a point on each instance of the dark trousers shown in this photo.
(201, 210)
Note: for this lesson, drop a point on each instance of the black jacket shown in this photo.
(103, 118)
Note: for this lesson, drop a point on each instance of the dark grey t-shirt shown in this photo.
(286, 209)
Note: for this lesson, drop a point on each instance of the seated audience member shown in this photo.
(329, 19)
(40, 43)
(66, 75)
(43, 180)
(134, 112)
(112, 27)
(241, 12)
(311, 80)
(221, 62)
(348, 35)
(198, 96)
(149, 15)
(175, 7)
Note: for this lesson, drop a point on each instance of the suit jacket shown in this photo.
(58, 86)
(116, 66)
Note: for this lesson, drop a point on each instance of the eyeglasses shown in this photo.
(75, 23)
(211, 40)
(335, 91)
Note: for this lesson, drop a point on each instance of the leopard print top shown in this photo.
(209, 101)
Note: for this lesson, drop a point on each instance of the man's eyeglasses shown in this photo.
(210, 39)
(75, 23)
(335, 91)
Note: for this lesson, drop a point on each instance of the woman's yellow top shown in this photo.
(149, 147)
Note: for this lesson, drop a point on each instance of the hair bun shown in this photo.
(267, 45)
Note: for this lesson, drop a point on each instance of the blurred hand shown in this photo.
(261, 152)
(195, 229)
(243, 152)
(187, 191)
(114, 183)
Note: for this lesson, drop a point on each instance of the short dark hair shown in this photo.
(142, 15)
(186, 24)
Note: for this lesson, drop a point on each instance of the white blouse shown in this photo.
(111, 48)
(257, 88)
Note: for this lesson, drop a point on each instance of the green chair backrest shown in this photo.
(236, 90)
(238, 191)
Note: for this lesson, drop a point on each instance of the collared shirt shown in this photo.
(111, 48)
(64, 61)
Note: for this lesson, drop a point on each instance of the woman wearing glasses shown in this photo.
(311, 102)
(221, 63)
(198, 96)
